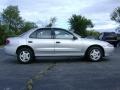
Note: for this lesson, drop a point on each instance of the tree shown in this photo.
(92, 33)
(52, 22)
(115, 16)
(12, 18)
(27, 26)
(79, 24)
(11, 24)
(3, 34)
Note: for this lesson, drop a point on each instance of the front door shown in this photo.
(65, 45)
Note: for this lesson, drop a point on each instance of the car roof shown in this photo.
(51, 28)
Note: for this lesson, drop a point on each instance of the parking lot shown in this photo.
(67, 74)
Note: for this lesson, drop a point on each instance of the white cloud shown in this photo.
(2, 4)
(100, 13)
(40, 11)
(106, 26)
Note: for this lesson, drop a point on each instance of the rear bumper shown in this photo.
(10, 50)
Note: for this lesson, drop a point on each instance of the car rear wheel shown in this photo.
(94, 54)
(25, 55)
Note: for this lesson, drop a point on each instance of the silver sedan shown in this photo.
(55, 42)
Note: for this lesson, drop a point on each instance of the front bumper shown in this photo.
(109, 50)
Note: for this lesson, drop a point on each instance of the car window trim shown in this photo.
(62, 30)
(41, 38)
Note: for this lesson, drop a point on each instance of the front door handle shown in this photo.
(57, 42)
(29, 41)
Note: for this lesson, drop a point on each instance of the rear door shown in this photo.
(42, 42)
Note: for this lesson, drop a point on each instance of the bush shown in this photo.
(2, 37)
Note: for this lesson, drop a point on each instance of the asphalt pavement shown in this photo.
(66, 74)
(14, 76)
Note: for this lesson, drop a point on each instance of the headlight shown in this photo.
(109, 45)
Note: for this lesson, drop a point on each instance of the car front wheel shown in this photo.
(94, 54)
(25, 55)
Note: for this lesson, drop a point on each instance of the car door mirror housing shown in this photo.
(74, 38)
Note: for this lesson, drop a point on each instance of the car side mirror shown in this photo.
(74, 38)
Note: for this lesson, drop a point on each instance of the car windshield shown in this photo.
(23, 34)
(26, 32)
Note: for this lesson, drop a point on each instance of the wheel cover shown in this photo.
(95, 54)
(24, 56)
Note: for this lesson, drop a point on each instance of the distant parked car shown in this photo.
(111, 37)
(55, 42)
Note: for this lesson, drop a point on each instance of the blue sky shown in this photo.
(40, 11)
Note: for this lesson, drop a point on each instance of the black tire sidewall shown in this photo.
(88, 54)
(31, 55)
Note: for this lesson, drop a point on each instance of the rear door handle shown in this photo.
(29, 41)
(57, 42)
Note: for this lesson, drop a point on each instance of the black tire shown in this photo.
(90, 50)
(31, 55)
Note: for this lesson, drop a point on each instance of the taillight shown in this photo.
(7, 42)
